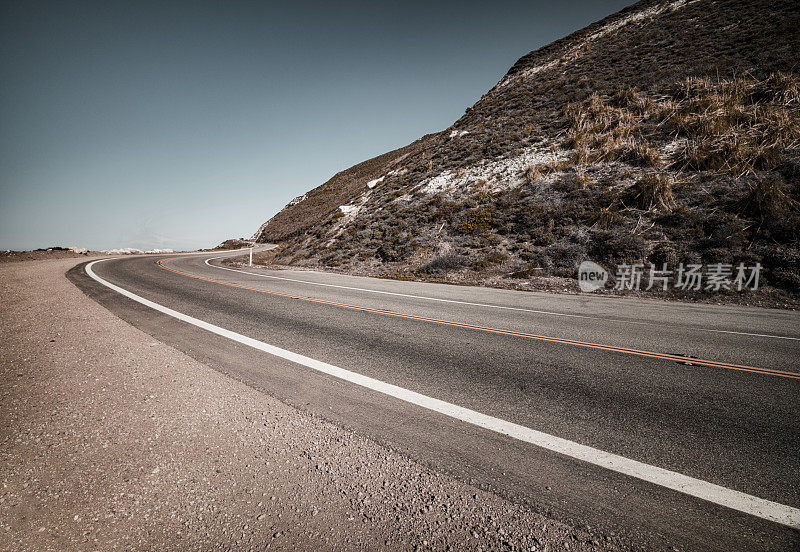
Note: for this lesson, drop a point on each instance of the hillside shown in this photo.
(665, 133)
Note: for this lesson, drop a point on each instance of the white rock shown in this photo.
(123, 251)
(502, 173)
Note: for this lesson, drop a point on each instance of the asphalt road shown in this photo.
(546, 362)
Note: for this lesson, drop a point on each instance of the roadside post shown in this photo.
(251, 255)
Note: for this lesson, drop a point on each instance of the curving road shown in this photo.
(660, 424)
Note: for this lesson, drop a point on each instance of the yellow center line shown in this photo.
(564, 341)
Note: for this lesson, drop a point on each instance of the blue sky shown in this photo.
(180, 124)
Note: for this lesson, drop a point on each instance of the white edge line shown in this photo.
(750, 334)
(486, 305)
(736, 500)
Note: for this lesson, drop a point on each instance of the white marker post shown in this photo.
(251, 255)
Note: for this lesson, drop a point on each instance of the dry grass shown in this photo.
(480, 189)
(606, 131)
(654, 191)
(642, 154)
(739, 125)
(537, 171)
(607, 217)
(533, 174)
(767, 198)
(597, 124)
(736, 126)
(733, 152)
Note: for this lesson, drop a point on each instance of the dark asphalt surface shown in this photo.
(737, 429)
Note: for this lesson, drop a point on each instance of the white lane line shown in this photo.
(750, 334)
(397, 294)
(486, 305)
(716, 494)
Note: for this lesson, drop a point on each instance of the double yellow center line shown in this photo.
(586, 344)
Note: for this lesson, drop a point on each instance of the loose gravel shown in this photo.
(112, 440)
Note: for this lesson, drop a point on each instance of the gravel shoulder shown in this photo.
(111, 440)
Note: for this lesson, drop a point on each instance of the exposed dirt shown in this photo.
(38, 255)
(111, 440)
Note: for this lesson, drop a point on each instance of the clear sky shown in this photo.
(180, 124)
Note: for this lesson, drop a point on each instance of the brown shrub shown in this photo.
(480, 189)
(607, 217)
(653, 191)
(767, 198)
(493, 258)
(732, 152)
(533, 173)
(642, 154)
(476, 221)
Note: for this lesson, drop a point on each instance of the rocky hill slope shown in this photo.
(665, 133)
